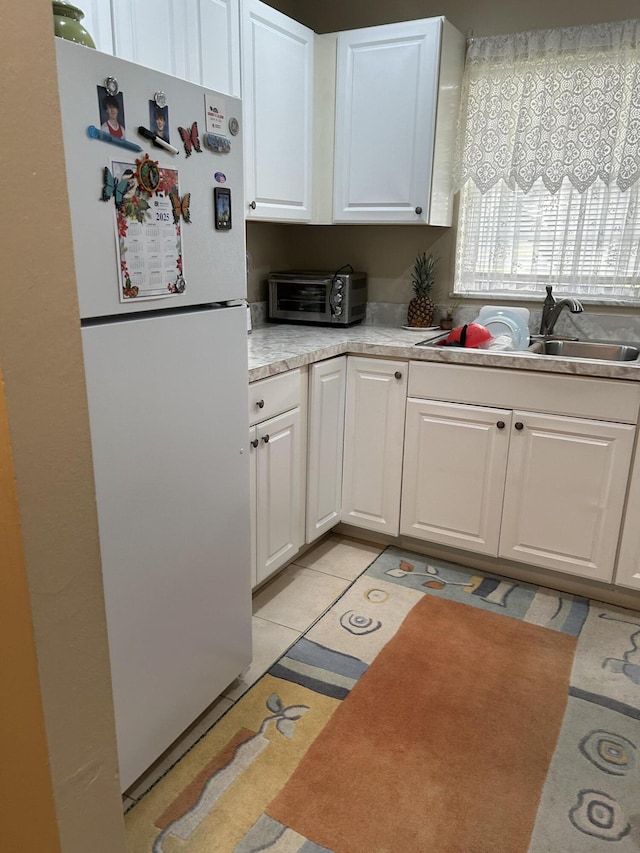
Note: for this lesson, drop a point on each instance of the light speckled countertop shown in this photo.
(277, 347)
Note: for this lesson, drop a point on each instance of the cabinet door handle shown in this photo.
(265, 438)
(260, 404)
(255, 442)
(397, 374)
(500, 424)
(418, 210)
(252, 205)
(519, 425)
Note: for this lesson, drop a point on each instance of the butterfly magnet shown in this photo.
(180, 207)
(190, 139)
(113, 188)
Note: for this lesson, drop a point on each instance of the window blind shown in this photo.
(585, 243)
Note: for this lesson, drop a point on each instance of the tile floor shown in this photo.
(283, 609)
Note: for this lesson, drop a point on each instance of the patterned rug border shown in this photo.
(600, 680)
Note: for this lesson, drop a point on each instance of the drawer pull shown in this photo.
(252, 205)
(418, 210)
(519, 425)
(265, 438)
(500, 424)
(260, 404)
(255, 442)
(397, 374)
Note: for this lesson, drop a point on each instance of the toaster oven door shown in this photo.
(300, 300)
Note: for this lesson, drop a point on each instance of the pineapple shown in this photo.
(421, 307)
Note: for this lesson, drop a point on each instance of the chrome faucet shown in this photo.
(551, 311)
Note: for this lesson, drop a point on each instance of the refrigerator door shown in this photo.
(213, 259)
(168, 410)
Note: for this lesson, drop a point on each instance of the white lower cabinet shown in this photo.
(327, 386)
(453, 479)
(540, 488)
(564, 493)
(373, 441)
(277, 446)
(628, 569)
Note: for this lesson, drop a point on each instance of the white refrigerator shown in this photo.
(160, 264)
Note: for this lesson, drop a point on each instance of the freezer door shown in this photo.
(168, 410)
(213, 261)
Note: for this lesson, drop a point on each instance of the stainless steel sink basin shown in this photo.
(587, 349)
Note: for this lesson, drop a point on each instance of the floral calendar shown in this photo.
(149, 213)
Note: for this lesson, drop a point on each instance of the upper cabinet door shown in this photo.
(160, 34)
(97, 22)
(196, 40)
(386, 99)
(277, 94)
(397, 96)
(219, 44)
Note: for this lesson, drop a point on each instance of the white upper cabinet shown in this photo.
(397, 91)
(97, 22)
(277, 94)
(219, 42)
(196, 40)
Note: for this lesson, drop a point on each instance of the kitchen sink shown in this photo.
(586, 349)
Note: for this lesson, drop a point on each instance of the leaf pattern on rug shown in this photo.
(244, 755)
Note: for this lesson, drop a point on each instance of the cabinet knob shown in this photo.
(418, 210)
(265, 438)
(252, 205)
(260, 404)
(255, 442)
(397, 374)
(519, 425)
(500, 424)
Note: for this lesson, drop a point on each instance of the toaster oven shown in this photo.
(334, 299)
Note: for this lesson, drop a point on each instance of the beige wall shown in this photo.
(26, 789)
(387, 253)
(41, 359)
(479, 16)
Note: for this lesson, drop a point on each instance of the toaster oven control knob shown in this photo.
(338, 285)
(338, 310)
(338, 298)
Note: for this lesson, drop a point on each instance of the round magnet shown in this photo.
(148, 174)
(111, 85)
(234, 126)
(161, 99)
(220, 177)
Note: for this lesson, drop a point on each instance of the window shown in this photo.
(549, 162)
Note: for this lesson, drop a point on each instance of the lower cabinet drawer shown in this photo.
(274, 395)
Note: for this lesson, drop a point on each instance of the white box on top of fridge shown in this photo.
(166, 373)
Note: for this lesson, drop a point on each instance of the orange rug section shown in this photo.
(443, 744)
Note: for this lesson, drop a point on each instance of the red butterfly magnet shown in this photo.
(190, 139)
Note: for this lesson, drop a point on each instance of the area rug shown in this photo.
(432, 709)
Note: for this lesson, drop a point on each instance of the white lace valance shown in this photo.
(552, 104)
